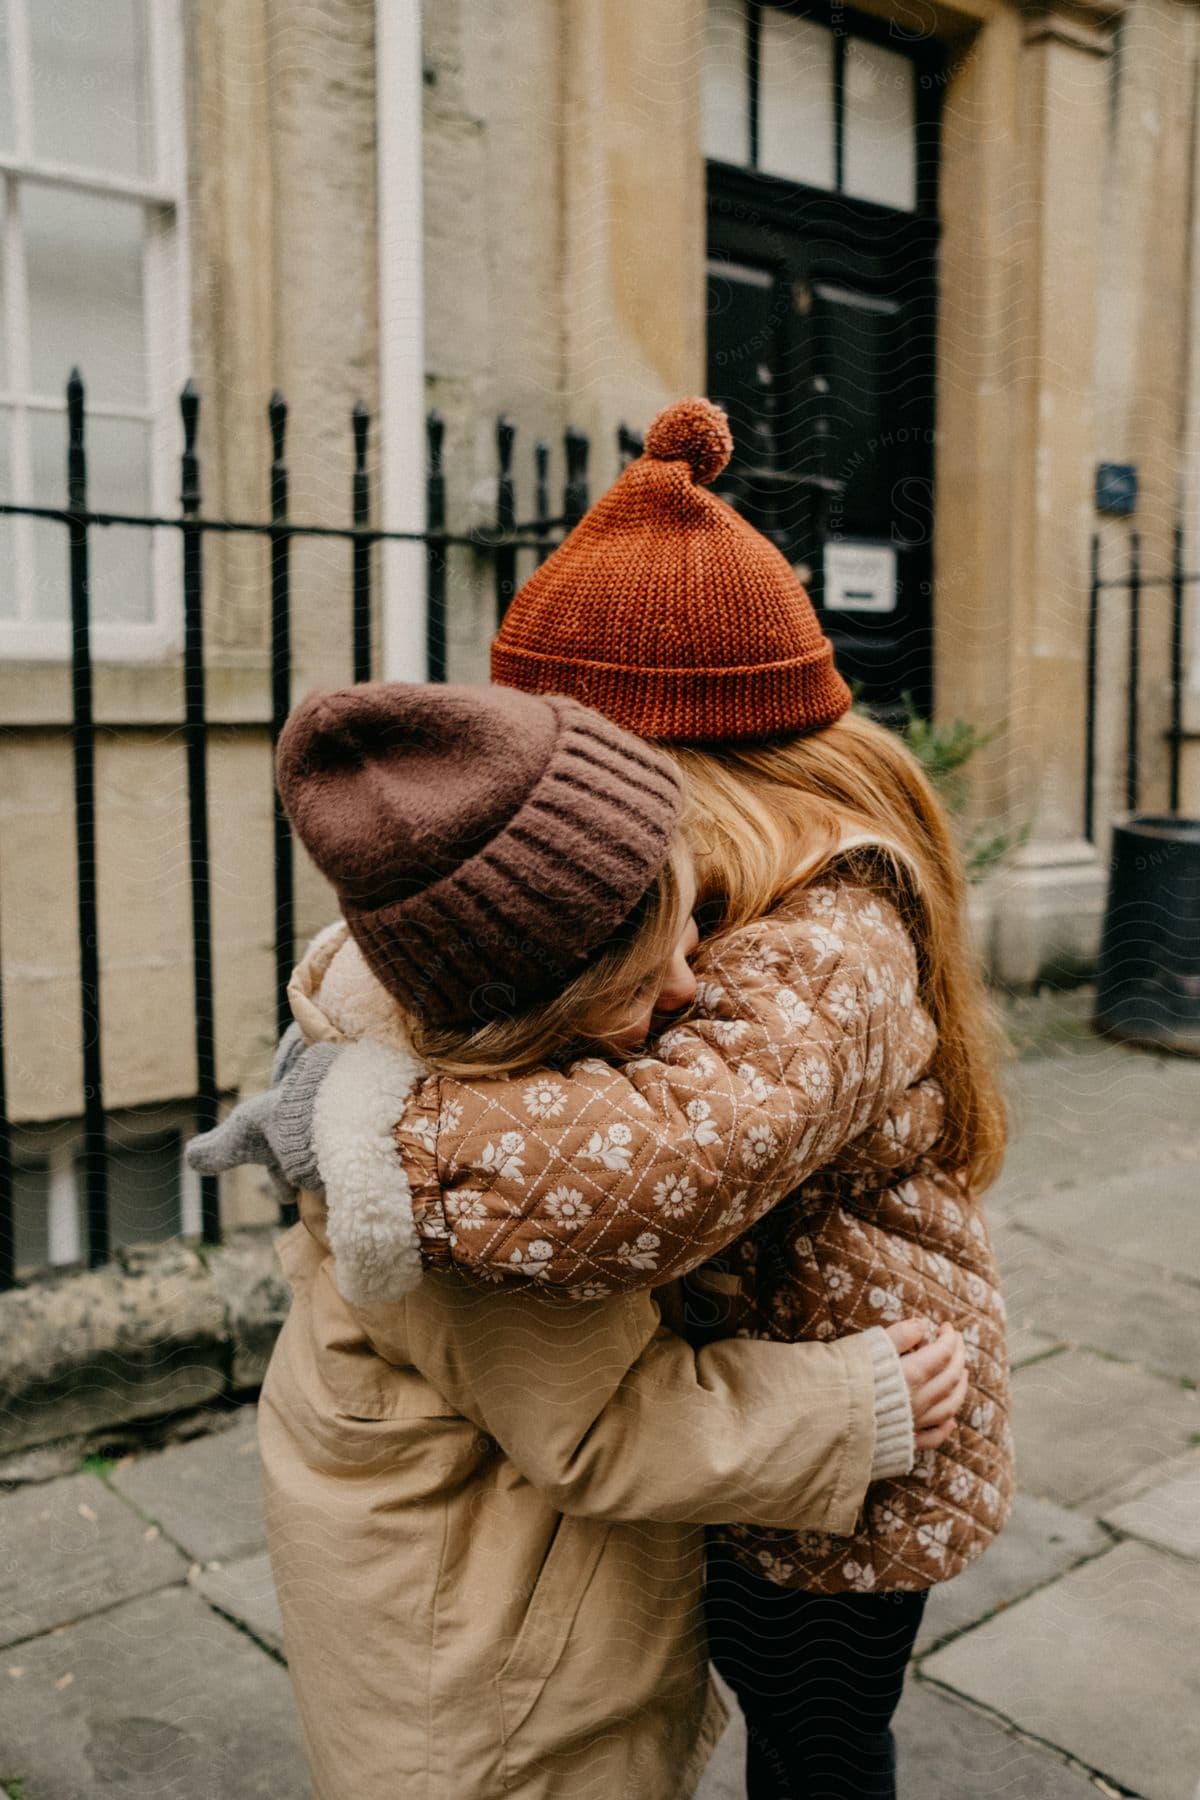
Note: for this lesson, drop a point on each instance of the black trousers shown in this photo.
(818, 1677)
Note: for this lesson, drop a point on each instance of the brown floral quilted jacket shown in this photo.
(781, 1144)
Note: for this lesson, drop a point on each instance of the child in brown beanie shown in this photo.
(838, 1060)
(484, 1494)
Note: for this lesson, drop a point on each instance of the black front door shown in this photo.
(821, 334)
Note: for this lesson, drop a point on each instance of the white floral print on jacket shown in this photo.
(803, 1077)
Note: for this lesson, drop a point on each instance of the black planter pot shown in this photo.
(1148, 983)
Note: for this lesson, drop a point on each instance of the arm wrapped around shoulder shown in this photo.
(808, 1029)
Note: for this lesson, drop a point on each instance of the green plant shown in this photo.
(943, 751)
(93, 1464)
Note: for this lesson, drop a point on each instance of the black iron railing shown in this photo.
(1134, 584)
(508, 543)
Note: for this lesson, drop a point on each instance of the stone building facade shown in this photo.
(568, 211)
(573, 139)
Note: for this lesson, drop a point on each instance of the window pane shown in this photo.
(880, 161)
(143, 1187)
(89, 84)
(795, 99)
(726, 97)
(31, 1212)
(6, 109)
(4, 375)
(118, 479)
(84, 257)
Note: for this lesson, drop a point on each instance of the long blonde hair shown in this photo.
(766, 817)
(590, 1008)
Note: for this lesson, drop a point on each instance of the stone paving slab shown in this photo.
(1167, 1515)
(1132, 1487)
(206, 1495)
(246, 1591)
(1104, 1663)
(1085, 1296)
(157, 1700)
(945, 1750)
(1082, 1424)
(70, 1548)
(948, 1751)
(1040, 1541)
(1062, 1113)
(1026, 1345)
(1151, 1215)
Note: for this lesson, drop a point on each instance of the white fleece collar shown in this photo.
(368, 1200)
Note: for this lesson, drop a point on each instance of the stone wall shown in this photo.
(564, 192)
(160, 1329)
(564, 243)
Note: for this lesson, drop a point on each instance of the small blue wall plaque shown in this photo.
(1116, 489)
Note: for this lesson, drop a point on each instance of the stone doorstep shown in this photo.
(1045, 906)
(165, 1329)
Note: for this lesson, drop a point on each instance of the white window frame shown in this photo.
(841, 40)
(399, 84)
(167, 315)
(1190, 495)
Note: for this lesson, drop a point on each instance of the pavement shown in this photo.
(140, 1644)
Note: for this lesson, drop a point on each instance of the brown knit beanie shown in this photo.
(482, 843)
(668, 612)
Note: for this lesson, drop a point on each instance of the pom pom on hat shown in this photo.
(692, 431)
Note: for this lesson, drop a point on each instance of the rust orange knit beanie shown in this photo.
(669, 613)
(482, 844)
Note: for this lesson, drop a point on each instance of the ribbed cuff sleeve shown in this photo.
(895, 1448)
(291, 1045)
(291, 1128)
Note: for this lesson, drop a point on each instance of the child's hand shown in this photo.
(936, 1372)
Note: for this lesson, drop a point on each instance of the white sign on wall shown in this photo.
(860, 576)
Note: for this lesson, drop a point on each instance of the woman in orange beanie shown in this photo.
(833, 901)
(672, 615)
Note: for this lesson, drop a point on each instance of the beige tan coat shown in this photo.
(484, 1515)
(805, 1074)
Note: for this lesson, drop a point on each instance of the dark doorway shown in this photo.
(822, 316)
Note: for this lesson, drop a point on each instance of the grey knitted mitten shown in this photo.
(274, 1128)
